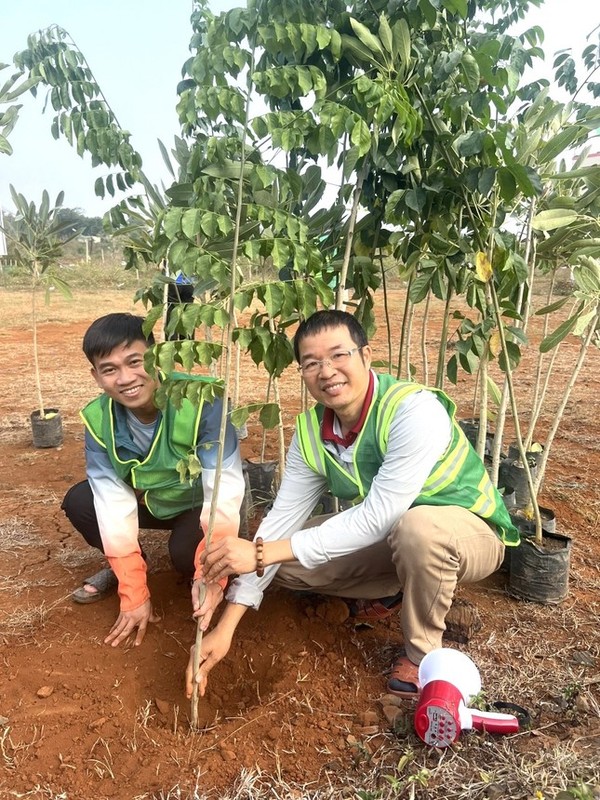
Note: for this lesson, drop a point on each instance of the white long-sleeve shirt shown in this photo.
(419, 434)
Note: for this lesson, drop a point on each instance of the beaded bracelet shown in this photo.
(260, 567)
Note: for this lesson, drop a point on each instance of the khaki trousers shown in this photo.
(426, 554)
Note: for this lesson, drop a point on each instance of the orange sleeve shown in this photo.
(131, 574)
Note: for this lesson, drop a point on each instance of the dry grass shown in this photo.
(17, 533)
(25, 622)
(443, 775)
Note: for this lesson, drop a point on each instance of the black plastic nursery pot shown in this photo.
(526, 528)
(470, 428)
(47, 431)
(533, 456)
(540, 573)
(513, 479)
(526, 525)
(261, 475)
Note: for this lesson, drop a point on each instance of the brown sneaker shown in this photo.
(374, 610)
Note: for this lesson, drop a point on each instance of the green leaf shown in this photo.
(5, 146)
(416, 199)
(584, 319)
(554, 218)
(273, 298)
(486, 180)
(507, 183)
(469, 144)
(385, 34)
(366, 37)
(452, 370)
(561, 142)
(419, 287)
(270, 415)
(471, 70)
(361, 137)
(402, 42)
(514, 356)
(99, 187)
(553, 306)
(190, 223)
(459, 7)
(563, 330)
(493, 391)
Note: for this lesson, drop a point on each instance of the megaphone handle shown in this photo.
(493, 722)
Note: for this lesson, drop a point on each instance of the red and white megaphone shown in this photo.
(448, 680)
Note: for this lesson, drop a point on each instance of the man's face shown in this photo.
(340, 386)
(122, 376)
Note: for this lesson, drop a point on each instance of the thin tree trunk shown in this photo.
(498, 434)
(513, 402)
(424, 341)
(411, 316)
(403, 330)
(441, 363)
(263, 445)
(483, 403)
(280, 431)
(525, 313)
(36, 362)
(539, 394)
(386, 311)
(339, 300)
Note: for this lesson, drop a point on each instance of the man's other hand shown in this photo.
(215, 646)
(128, 621)
(204, 611)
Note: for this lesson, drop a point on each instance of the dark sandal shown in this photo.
(105, 582)
(374, 610)
(404, 678)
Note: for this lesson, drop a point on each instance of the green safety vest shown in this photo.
(459, 477)
(156, 476)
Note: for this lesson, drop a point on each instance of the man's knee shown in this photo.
(417, 531)
(78, 502)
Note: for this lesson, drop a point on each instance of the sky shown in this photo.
(136, 49)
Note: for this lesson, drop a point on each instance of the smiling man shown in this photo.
(132, 449)
(424, 514)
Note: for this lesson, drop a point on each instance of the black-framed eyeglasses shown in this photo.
(335, 360)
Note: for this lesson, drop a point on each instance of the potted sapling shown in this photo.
(547, 554)
(37, 236)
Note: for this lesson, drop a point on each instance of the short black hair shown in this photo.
(323, 320)
(113, 330)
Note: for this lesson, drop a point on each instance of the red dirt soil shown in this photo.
(298, 695)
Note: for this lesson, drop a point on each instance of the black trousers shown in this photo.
(186, 533)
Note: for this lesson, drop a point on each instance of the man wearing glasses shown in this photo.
(424, 515)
